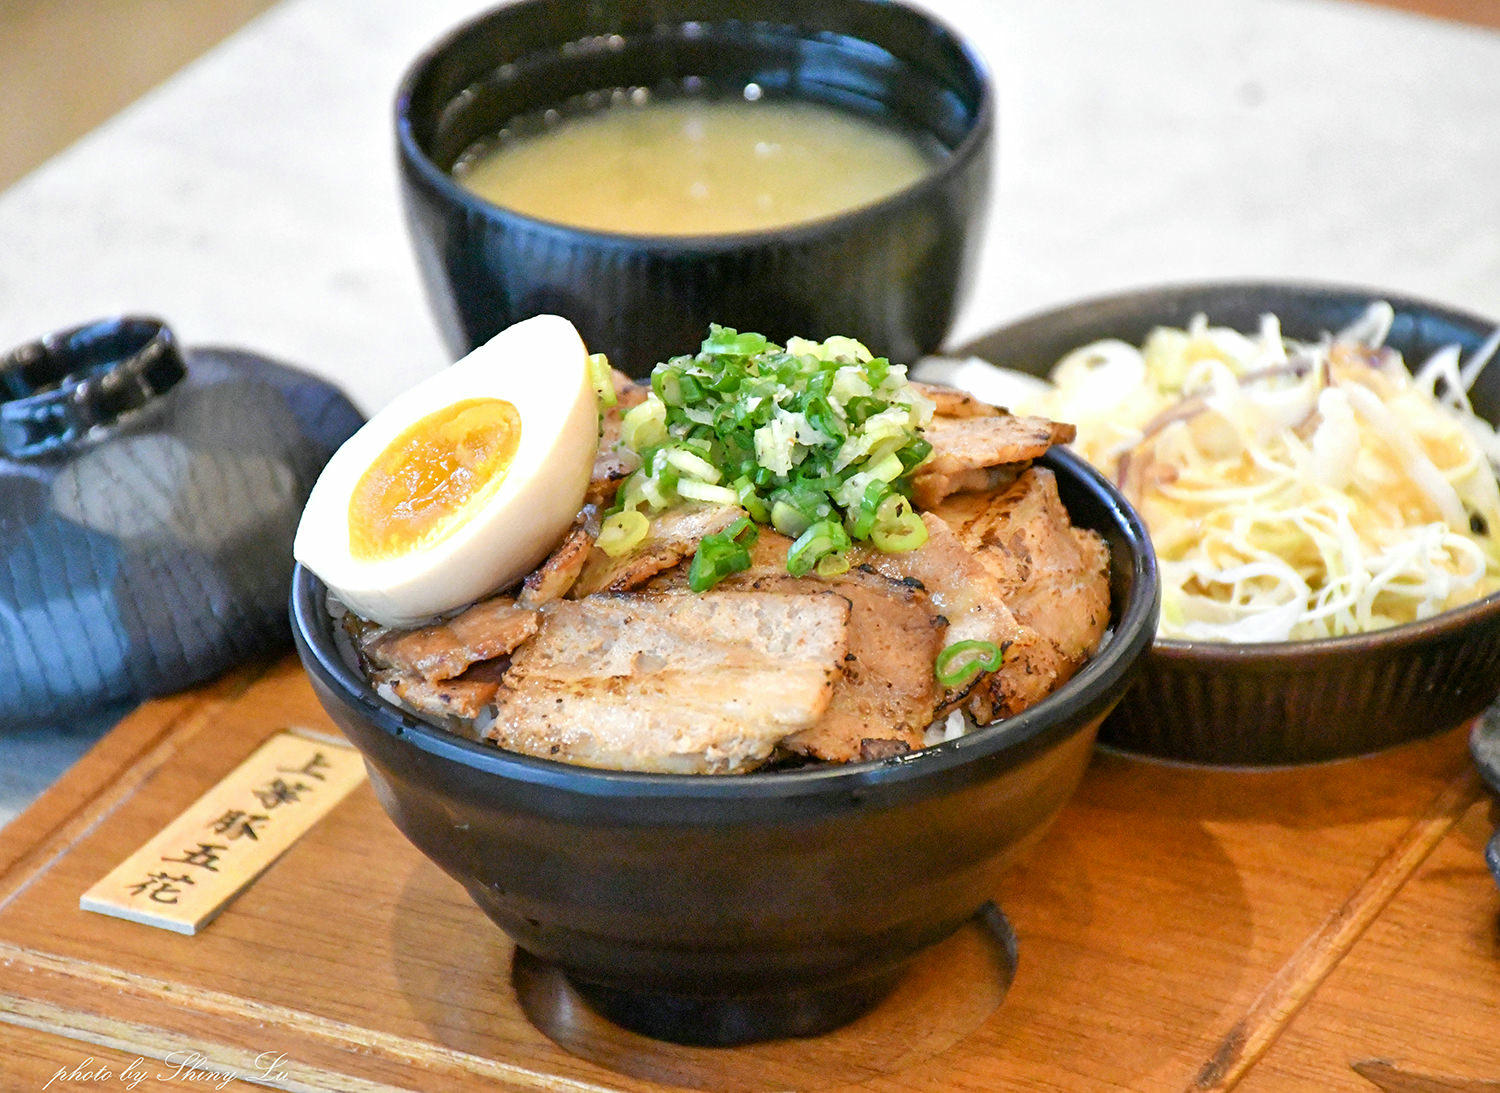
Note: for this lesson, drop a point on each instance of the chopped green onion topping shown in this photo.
(861, 521)
(644, 426)
(744, 491)
(721, 554)
(601, 376)
(813, 435)
(690, 489)
(909, 534)
(832, 564)
(963, 660)
(622, 532)
(694, 466)
(819, 540)
(789, 519)
(898, 527)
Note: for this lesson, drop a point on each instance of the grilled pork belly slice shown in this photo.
(464, 697)
(885, 695)
(672, 683)
(905, 608)
(555, 577)
(1054, 576)
(443, 650)
(884, 698)
(674, 535)
(971, 600)
(981, 453)
(951, 402)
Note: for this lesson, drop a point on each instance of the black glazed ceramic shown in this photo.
(1484, 746)
(1302, 701)
(889, 273)
(724, 909)
(148, 499)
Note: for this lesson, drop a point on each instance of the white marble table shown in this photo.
(251, 200)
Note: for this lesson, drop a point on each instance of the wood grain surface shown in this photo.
(1484, 13)
(1328, 927)
(36, 1059)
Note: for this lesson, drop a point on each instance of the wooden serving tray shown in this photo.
(1329, 927)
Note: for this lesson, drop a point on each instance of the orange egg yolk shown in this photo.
(415, 492)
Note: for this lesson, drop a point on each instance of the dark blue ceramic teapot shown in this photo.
(148, 500)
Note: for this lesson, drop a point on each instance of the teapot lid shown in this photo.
(60, 388)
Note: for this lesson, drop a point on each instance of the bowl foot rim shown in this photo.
(700, 1019)
(727, 1020)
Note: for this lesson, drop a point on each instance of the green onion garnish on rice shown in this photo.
(602, 379)
(816, 439)
(621, 532)
(963, 660)
(721, 554)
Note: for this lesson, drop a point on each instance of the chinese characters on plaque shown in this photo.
(186, 875)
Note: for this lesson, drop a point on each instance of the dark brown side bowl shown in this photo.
(889, 273)
(1302, 701)
(723, 909)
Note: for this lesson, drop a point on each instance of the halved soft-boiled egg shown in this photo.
(462, 484)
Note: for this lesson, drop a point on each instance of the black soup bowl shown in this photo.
(888, 273)
(728, 908)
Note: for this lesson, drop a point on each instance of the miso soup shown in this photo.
(694, 166)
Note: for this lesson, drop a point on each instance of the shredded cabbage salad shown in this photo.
(1293, 490)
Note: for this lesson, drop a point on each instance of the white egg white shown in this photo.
(539, 365)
